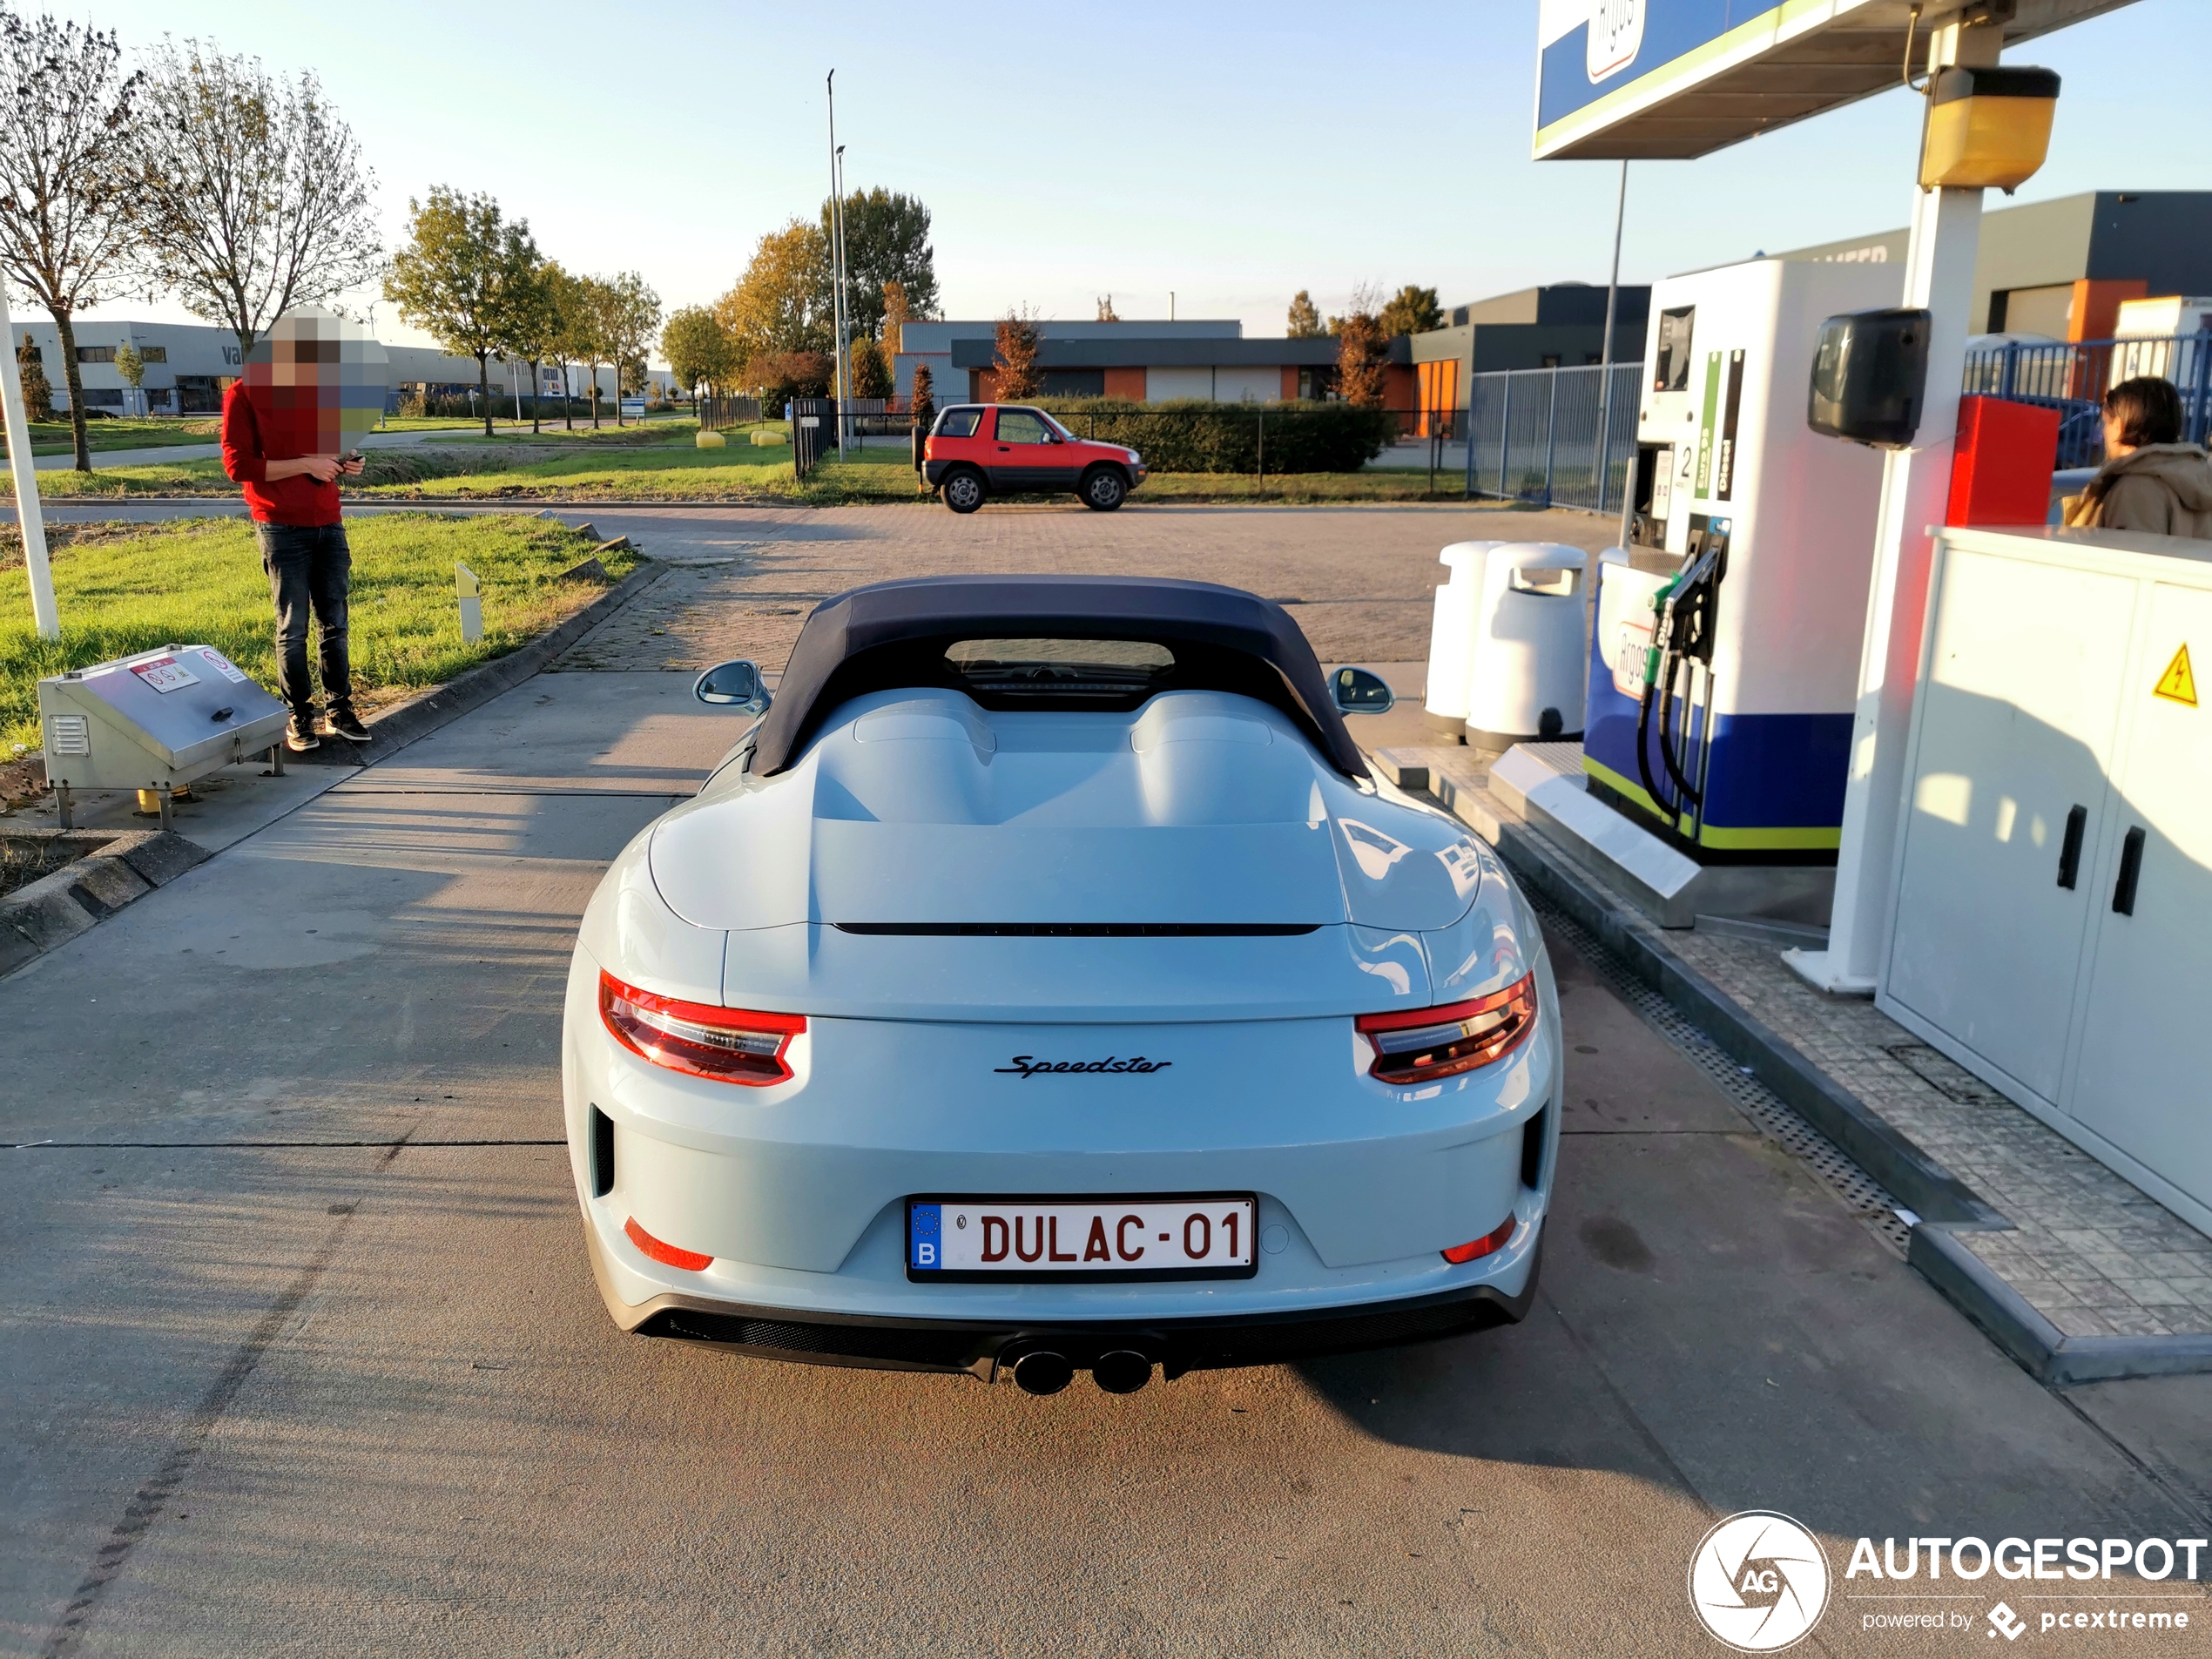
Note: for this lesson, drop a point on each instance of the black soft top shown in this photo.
(890, 634)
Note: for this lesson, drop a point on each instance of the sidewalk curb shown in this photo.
(116, 867)
(2006, 1316)
(393, 729)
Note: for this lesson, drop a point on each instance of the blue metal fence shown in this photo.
(1535, 435)
(2071, 376)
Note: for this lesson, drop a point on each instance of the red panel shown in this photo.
(2000, 472)
(1126, 382)
(1290, 386)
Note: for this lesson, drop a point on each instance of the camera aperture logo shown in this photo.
(1758, 1582)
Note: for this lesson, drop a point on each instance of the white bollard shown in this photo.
(1450, 635)
(472, 606)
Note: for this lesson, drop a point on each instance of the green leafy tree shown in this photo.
(1015, 350)
(130, 367)
(698, 351)
(38, 390)
(632, 324)
(588, 326)
(462, 272)
(1305, 319)
(871, 369)
(250, 197)
(531, 324)
(1411, 311)
(571, 303)
(66, 115)
(886, 240)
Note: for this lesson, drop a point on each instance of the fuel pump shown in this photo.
(1724, 664)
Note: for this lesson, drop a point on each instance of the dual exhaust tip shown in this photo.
(1042, 1371)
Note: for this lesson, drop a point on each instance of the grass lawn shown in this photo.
(125, 588)
(54, 438)
(660, 463)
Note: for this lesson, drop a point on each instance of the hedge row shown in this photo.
(1197, 436)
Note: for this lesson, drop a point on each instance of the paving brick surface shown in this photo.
(2086, 1249)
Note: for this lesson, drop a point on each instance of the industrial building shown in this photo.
(2062, 268)
(1144, 362)
(189, 364)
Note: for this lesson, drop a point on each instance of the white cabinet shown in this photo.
(2054, 923)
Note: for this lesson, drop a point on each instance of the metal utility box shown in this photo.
(2053, 928)
(158, 720)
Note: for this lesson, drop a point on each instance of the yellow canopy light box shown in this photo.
(1987, 128)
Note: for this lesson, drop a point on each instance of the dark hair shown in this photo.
(2149, 410)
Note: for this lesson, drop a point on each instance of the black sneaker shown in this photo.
(299, 735)
(342, 722)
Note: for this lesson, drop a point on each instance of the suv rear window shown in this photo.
(958, 423)
(1034, 670)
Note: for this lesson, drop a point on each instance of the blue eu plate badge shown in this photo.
(925, 1238)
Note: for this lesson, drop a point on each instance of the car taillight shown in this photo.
(1460, 1255)
(729, 1045)
(1419, 1044)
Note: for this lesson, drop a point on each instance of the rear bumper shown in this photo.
(982, 1346)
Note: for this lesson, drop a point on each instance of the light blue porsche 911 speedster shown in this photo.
(1047, 984)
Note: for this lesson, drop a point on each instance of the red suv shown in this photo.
(981, 449)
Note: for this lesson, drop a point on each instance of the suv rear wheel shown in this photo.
(1103, 490)
(963, 490)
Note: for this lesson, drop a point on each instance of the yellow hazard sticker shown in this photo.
(2178, 683)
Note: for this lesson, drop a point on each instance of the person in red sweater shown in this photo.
(292, 496)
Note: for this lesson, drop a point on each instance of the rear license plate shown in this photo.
(1185, 1236)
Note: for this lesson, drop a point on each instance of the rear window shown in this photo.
(1052, 669)
(958, 423)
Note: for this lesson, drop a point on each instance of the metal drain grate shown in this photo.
(1861, 1194)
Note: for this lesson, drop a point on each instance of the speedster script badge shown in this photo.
(1029, 1066)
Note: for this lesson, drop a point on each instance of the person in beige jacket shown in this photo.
(2151, 480)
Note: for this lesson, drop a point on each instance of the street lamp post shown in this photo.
(839, 358)
(1605, 353)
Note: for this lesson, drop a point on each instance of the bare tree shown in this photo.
(65, 109)
(250, 196)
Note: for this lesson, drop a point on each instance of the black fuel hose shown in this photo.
(1643, 747)
(1682, 790)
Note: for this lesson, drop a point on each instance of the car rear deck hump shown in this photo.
(919, 831)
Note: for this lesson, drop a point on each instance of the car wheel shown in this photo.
(964, 492)
(1103, 490)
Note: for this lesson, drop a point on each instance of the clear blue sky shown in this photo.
(1231, 153)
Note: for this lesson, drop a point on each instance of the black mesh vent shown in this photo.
(603, 1154)
(1532, 1148)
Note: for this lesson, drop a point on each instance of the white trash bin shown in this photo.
(1450, 635)
(1528, 676)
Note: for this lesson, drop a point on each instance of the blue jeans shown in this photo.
(310, 568)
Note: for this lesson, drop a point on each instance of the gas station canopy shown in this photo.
(1670, 79)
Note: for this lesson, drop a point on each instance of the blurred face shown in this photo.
(2114, 446)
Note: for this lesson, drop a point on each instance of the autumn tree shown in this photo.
(461, 270)
(250, 197)
(895, 317)
(1363, 361)
(923, 400)
(698, 351)
(782, 302)
(66, 111)
(1411, 311)
(1017, 355)
(1106, 313)
(1304, 318)
(886, 240)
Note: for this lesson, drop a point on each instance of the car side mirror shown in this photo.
(1360, 691)
(735, 685)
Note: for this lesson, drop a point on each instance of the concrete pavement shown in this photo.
(301, 1352)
